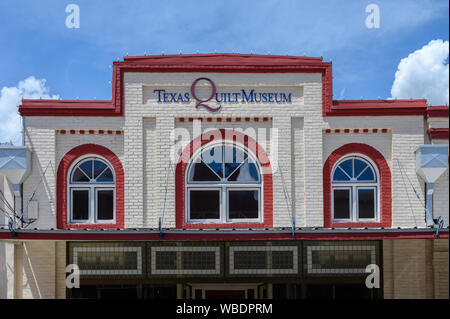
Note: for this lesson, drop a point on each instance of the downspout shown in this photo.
(429, 205)
(437, 224)
(431, 163)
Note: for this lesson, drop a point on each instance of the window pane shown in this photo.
(200, 172)
(87, 168)
(243, 204)
(98, 168)
(366, 203)
(106, 176)
(367, 175)
(347, 166)
(204, 204)
(80, 204)
(213, 158)
(105, 204)
(233, 157)
(79, 176)
(247, 173)
(359, 166)
(341, 203)
(339, 175)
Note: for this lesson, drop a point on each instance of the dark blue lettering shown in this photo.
(247, 98)
(159, 94)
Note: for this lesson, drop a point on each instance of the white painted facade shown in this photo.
(302, 147)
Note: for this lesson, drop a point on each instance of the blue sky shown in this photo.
(35, 41)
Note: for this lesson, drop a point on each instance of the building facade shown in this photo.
(226, 176)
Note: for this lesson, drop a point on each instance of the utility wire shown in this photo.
(407, 193)
(169, 170)
(34, 193)
(410, 183)
(288, 200)
(5, 212)
(5, 201)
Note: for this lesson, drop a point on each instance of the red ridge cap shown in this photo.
(218, 59)
(67, 108)
(438, 133)
(437, 111)
(378, 107)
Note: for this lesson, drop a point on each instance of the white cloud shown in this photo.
(424, 74)
(10, 98)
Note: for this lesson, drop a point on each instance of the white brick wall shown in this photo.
(440, 198)
(145, 147)
(405, 134)
(42, 143)
(40, 270)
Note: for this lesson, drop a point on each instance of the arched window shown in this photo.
(355, 190)
(91, 191)
(223, 185)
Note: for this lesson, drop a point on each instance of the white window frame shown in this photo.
(224, 187)
(92, 187)
(354, 186)
(243, 187)
(349, 189)
(202, 188)
(71, 189)
(374, 201)
(96, 190)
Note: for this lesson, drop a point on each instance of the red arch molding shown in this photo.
(61, 186)
(385, 185)
(182, 164)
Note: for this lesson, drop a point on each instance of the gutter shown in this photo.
(233, 235)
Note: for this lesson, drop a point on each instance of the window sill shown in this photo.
(224, 225)
(374, 224)
(93, 226)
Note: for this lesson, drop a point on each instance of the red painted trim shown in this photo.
(377, 108)
(180, 171)
(228, 63)
(232, 236)
(67, 108)
(61, 186)
(220, 59)
(437, 111)
(198, 63)
(438, 133)
(385, 185)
